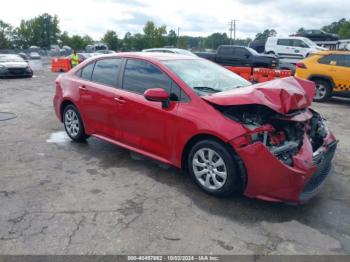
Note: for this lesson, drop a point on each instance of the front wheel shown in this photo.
(323, 90)
(213, 168)
(73, 124)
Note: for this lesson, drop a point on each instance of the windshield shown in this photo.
(10, 58)
(184, 52)
(309, 42)
(205, 77)
(251, 50)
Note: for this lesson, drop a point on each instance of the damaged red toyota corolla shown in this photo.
(231, 136)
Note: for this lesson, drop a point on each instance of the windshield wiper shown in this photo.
(206, 89)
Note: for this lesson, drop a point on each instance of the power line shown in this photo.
(232, 28)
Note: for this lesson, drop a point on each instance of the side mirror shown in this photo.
(157, 95)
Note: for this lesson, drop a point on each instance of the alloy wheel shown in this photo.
(321, 91)
(209, 169)
(72, 123)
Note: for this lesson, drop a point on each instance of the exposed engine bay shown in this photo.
(283, 134)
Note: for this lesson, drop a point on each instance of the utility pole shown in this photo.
(232, 28)
(178, 36)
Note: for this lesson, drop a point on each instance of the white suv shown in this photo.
(291, 47)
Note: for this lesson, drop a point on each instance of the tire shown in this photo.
(73, 124)
(205, 173)
(323, 90)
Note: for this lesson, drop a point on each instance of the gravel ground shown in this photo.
(58, 197)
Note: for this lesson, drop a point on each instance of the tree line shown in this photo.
(44, 31)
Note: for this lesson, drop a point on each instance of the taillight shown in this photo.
(301, 65)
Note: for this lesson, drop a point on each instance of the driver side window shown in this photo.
(141, 75)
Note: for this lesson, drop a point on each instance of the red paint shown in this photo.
(156, 94)
(130, 120)
(281, 95)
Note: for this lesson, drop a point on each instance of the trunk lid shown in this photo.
(281, 95)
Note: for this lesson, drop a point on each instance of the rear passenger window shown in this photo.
(87, 71)
(140, 75)
(335, 59)
(106, 71)
(284, 42)
(346, 60)
(226, 50)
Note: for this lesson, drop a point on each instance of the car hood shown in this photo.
(281, 95)
(320, 48)
(14, 64)
(268, 56)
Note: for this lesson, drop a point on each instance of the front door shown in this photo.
(146, 125)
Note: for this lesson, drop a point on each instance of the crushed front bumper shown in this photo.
(270, 179)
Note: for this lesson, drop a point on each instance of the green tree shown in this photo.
(5, 35)
(300, 30)
(172, 38)
(154, 36)
(41, 31)
(341, 28)
(139, 42)
(87, 40)
(216, 39)
(127, 41)
(182, 43)
(267, 33)
(334, 27)
(65, 39)
(344, 31)
(111, 39)
(23, 35)
(79, 43)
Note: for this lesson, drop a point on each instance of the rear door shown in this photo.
(147, 125)
(225, 56)
(97, 96)
(339, 70)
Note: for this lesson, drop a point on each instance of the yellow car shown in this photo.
(330, 70)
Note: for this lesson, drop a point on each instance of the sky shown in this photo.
(193, 17)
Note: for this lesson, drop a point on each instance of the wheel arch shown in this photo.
(204, 136)
(322, 77)
(63, 105)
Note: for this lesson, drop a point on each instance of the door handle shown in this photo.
(83, 87)
(120, 100)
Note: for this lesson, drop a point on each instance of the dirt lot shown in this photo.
(58, 197)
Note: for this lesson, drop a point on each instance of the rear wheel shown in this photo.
(323, 90)
(73, 124)
(213, 168)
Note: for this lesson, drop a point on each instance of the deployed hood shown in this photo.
(14, 64)
(281, 95)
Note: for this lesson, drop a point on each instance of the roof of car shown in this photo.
(152, 56)
(330, 52)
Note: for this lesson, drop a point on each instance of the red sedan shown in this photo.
(262, 140)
